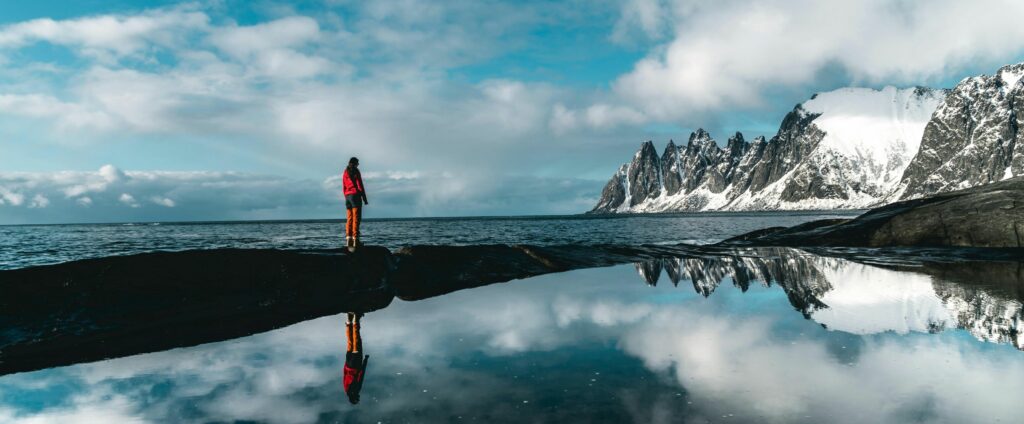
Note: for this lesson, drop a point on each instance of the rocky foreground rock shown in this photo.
(990, 216)
(101, 308)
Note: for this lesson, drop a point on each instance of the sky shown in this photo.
(114, 111)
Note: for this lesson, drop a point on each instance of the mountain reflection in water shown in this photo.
(984, 299)
(888, 344)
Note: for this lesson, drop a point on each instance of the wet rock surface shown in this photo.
(990, 216)
(95, 309)
(100, 308)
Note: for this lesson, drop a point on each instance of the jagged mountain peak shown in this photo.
(1010, 75)
(646, 148)
(848, 148)
(736, 144)
(700, 136)
(844, 148)
(670, 153)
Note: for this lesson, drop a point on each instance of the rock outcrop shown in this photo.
(989, 216)
(973, 138)
(101, 308)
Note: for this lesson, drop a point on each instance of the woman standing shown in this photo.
(355, 198)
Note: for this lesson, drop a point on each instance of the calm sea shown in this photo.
(28, 245)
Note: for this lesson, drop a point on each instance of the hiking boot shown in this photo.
(350, 241)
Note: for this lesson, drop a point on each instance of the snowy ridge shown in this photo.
(843, 149)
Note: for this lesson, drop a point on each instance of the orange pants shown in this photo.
(355, 342)
(352, 222)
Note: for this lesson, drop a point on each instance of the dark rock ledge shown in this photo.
(109, 307)
(986, 216)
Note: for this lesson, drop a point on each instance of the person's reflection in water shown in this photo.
(355, 362)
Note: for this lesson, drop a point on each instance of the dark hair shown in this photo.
(352, 166)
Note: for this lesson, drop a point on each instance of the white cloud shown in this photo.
(730, 53)
(11, 197)
(128, 200)
(69, 115)
(107, 409)
(90, 182)
(270, 48)
(242, 41)
(111, 174)
(107, 36)
(718, 356)
(162, 201)
(39, 201)
(84, 201)
(647, 16)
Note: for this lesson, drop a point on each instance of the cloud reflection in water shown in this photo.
(592, 345)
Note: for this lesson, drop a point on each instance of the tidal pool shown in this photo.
(763, 335)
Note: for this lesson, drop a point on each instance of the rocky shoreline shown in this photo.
(94, 309)
(989, 216)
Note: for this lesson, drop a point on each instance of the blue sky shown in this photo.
(162, 110)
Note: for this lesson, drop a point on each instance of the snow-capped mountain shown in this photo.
(843, 149)
(973, 138)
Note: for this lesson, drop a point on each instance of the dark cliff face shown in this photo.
(671, 175)
(700, 154)
(794, 141)
(973, 137)
(742, 173)
(644, 175)
(614, 193)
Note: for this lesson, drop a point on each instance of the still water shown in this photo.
(764, 335)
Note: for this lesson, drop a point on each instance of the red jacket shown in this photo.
(353, 376)
(353, 185)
